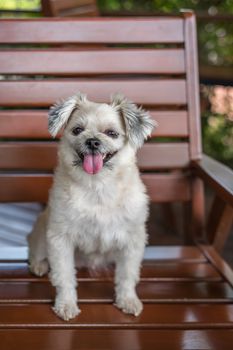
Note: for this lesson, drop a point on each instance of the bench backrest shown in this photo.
(153, 61)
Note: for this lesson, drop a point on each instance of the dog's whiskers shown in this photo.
(77, 162)
(109, 165)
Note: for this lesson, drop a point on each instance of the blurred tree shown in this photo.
(167, 6)
(19, 4)
(217, 133)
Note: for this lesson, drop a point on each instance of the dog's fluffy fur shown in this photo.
(94, 219)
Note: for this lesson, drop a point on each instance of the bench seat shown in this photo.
(187, 304)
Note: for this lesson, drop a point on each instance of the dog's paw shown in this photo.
(66, 310)
(39, 268)
(130, 305)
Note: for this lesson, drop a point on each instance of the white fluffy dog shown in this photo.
(97, 205)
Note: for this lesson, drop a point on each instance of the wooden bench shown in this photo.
(187, 290)
(69, 8)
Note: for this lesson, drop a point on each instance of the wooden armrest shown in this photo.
(217, 175)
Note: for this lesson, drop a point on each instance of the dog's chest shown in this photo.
(99, 222)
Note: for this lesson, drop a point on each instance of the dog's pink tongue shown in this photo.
(92, 163)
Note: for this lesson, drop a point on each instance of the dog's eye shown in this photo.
(77, 130)
(111, 133)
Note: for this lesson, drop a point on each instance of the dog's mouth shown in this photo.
(92, 163)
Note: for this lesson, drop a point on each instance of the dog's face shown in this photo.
(96, 133)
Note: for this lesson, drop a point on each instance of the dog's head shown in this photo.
(97, 133)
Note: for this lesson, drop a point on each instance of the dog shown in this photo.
(98, 205)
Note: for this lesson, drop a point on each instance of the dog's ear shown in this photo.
(138, 122)
(60, 113)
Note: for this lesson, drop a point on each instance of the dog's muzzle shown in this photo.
(93, 159)
(93, 144)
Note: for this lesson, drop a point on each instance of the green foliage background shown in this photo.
(218, 137)
(215, 40)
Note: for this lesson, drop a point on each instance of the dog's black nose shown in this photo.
(93, 143)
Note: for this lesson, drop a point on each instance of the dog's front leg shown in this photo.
(63, 275)
(126, 277)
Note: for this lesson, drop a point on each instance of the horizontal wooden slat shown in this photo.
(107, 316)
(24, 124)
(167, 187)
(24, 188)
(167, 272)
(103, 292)
(133, 339)
(121, 30)
(168, 61)
(170, 123)
(43, 155)
(163, 155)
(143, 91)
(28, 155)
(32, 187)
(34, 124)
